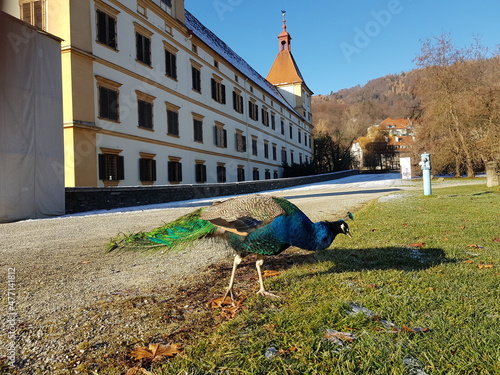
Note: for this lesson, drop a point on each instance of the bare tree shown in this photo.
(459, 90)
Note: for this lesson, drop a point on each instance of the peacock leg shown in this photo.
(237, 261)
(262, 290)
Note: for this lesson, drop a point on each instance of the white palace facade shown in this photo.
(151, 96)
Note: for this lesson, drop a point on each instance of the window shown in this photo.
(274, 151)
(167, 2)
(196, 78)
(300, 158)
(33, 12)
(106, 29)
(291, 132)
(220, 135)
(170, 64)
(253, 110)
(267, 174)
(254, 146)
(174, 169)
(273, 121)
(147, 170)
(145, 110)
(282, 127)
(266, 149)
(143, 44)
(221, 172)
(255, 174)
(265, 116)
(218, 91)
(111, 166)
(275, 174)
(198, 130)
(108, 103)
(172, 120)
(200, 172)
(299, 136)
(241, 141)
(240, 173)
(291, 157)
(283, 155)
(237, 101)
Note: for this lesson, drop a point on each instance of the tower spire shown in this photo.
(284, 37)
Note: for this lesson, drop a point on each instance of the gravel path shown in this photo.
(60, 268)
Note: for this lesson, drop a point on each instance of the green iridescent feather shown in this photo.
(177, 234)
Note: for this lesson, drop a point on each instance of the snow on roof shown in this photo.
(211, 40)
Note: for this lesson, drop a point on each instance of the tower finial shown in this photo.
(283, 12)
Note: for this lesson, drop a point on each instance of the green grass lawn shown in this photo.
(440, 285)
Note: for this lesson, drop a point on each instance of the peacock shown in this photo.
(260, 224)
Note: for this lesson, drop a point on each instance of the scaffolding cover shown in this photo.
(31, 123)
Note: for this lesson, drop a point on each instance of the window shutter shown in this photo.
(223, 92)
(204, 172)
(214, 89)
(174, 66)
(234, 101)
(256, 112)
(102, 167)
(215, 135)
(241, 104)
(244, 143)
(142, 169)
(179, 169)
(170, 167)
(101, 26)
(121, 168)
(224, 134)
(153, 170)
(37, 9)
(111, 32)
(26, 12)
(139, 47)
(147, 51)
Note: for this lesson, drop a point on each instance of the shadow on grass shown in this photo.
(348, 260)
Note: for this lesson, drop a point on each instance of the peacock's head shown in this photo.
(339, 226)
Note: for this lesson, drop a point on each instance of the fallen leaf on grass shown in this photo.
(228, 310)
(496, 240)
(417, 244)
(334, 336)
(138, 371)
(219, 302)
(468, 261)
(269, 273)
(156, 352)
(476, 246)
(481, 266)
(273, 352)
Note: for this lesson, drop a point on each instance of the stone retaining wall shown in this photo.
(81, 199)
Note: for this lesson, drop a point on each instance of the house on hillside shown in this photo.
(153, 97)
(384, 144)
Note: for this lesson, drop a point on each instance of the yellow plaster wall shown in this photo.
(80, 157)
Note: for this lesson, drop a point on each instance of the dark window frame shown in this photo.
(106, 29)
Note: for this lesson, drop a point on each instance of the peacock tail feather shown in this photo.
(179, 233)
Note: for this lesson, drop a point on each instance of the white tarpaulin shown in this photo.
(31, 125)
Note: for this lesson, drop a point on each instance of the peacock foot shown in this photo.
(267, 294)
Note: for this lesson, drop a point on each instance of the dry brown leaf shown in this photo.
(156, 351)
(496, 239)
(417, 244)
(219, 302)
(269, 273)
(293, 349)
(481, 266)
(468, 261)
(332, 335)
(137, 371)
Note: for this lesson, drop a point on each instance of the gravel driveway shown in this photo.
(59, 267)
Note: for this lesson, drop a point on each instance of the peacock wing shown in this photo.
(243, 215)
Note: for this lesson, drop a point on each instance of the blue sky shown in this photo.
(339, 43)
